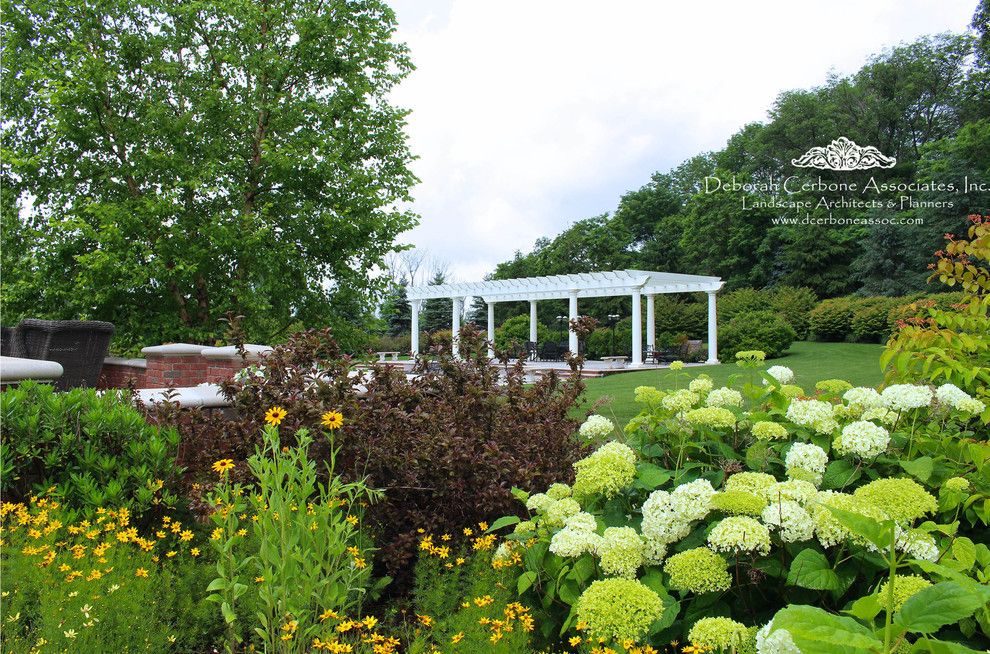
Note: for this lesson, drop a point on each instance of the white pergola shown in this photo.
(634, 283)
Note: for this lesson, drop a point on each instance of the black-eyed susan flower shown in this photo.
(333, 419)
(275, 415)
(222, 466)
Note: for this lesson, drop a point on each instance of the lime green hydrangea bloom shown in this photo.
(738, 502)
(718, 634)
(621, 552)
(905, 587)
(606, 471)
(699, 570)
(701, 385)
(558, 491)
(751, 356)
(713, 417)
(677, 365)
(833, 386)
(649, 395)
(558, 511)
(751, 482)
(765, 430)
(681, 400)
(740, 534)
(791, 391)
(748, 645)
(956, 484)
(618, 609)
(903, 500)
(828, 529)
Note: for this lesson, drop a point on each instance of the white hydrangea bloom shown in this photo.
(558, 491)
(862, 438)
(782, 374)
(971, 405)
(560, 510)
(794, 490)
(809, 457)
(667, 517)
(951, 395)
(654, 551)
(917, 543)
(725, 396)
(701, 385)
(538, 502)
(778, 642)
(581, 521)
(596, 427)
(795, 524)
(740, 534)
(570, 542)
(880, 414)
(863, 397)
(693, 501)
(812, 413)
(904, 397)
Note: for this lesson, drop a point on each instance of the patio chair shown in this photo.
(532, 351)
(79, 345)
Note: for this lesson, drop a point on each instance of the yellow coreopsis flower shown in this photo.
(223, 465)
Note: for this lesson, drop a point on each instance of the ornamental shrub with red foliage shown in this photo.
(446, 445)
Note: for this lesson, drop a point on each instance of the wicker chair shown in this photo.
(79, 345)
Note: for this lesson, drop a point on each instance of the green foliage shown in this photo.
(794, 304)
(306, 555)
(516, 330)
(831, 320)
(96, 449)
(869, 322)
(743, 300)
(88, 593)
(175, 162)
(757, 330)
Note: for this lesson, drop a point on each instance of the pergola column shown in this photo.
(712, 330)
(651, 321)
(414, 326)
(637, 330)
(532, 322)
(455, 326)
(491, 330)
(572, 314)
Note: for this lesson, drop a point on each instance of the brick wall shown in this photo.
(121, 373)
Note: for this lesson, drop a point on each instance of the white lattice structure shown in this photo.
(634, 283)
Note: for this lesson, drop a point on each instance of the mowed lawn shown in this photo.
(857, 363)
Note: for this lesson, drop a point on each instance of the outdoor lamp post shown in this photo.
(613, 320)
(560, 326)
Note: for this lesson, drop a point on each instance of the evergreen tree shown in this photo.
(436, 313)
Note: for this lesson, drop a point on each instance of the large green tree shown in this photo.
(170, 161)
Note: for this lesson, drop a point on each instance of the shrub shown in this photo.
(676, 315)
(743, 300)
(794, 304)
(96, 449)
(440, 339)
(831, 320)
(758, 330)
(516, 329)
(869, 323)
(401, 343)
(445, 446)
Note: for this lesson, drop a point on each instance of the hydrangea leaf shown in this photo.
(504, 521)
(816, 631)
(878, 533)
(944, 603)
(810, 569)
(525, 581)
(839, 474)
(650, 476)
(921, 467)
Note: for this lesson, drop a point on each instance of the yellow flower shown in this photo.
(575, 641)
(223, 465)
(329, 613)
(186, 536)
(333, 419)
(275, 415)
(217, 533)
(352, 520)
(369, 622)
(359, 563)
(458, 637)
(483, 526)
(170, 553)
(425, 620)
(242, 532)
(259, 580)
(468, 531)
(140, 572)
(194, 551)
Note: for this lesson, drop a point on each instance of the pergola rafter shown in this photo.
(634, 283)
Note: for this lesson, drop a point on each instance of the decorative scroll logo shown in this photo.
(843, 154)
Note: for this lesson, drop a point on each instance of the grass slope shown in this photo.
(857, 363)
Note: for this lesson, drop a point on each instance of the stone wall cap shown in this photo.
(173, 350)
(129, 363)
(254, 352)
(18, 369)
(207, 396)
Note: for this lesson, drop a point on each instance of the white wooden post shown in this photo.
(455, 327)
(637, 330)
(532, 322)
(414, 327)
(712, 330)
(572, 313)
(651, 321)
(491, 329)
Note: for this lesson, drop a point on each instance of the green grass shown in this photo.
(857, 363)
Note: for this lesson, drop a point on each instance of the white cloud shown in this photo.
(530, 115)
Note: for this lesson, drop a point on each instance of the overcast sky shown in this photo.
(529, 115)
